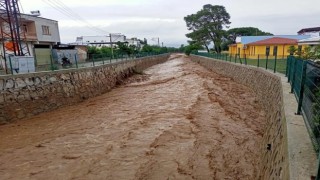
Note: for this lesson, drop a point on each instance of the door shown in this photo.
(42, 54)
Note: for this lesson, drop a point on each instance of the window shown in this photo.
(275, 50)
(267, 50)
(45, 30)
(25, 28)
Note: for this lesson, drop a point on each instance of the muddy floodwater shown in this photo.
(177, 120)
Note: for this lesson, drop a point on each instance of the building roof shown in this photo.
(312, 39)
(251, 39)
(305, 30)
(233, 45)
(275, 41)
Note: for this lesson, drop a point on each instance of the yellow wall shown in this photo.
(252, 52)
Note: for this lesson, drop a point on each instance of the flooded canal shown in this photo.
(176, 120)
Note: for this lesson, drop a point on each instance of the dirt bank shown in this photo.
(176, 121)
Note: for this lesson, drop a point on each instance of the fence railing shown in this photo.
(275, 63)
(45, 63)
(304, 78)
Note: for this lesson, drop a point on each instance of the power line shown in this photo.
(65, 10)
(65, 7)
(72, 16)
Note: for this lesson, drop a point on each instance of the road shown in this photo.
(177, 120)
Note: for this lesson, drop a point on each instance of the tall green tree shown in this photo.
(199, 37)
(210, 20)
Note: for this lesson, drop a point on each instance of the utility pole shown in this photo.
(111, 45)
(158, 41)
(14, 39)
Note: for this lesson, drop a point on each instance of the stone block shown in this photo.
(20, 114)
(1, 99)
(3, 121)
(9, 84)
(1, 84)
(37, 81)
(29, 81)
(20, 83)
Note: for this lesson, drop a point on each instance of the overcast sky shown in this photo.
(164, 18)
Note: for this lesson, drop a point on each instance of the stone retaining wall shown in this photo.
(26, 95)
(268, 87)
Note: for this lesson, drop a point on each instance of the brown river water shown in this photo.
(175, 121)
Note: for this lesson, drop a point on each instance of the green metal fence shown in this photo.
(304, 77)
(275, 63)
(92, 60)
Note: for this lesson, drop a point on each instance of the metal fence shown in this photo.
(275, 63)
(52, 64)
(304, 77)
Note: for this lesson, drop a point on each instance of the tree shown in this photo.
(199, 37)
(127, 49)
(210, 20)
(192, 47)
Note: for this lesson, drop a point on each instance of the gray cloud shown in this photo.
(164, 19)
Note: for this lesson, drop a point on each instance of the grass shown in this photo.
(281, 64)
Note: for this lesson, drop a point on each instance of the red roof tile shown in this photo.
(276, 41)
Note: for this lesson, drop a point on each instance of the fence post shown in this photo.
(258, 60)
(303, 80)
(267, 62)
(275, 64)
(287, 66)
(293, 74)
(230, 57)
(235, 58)
(10, 62)
(93, 60)
(245, 59)
(76, 60)
(318, 173)
(51, 62)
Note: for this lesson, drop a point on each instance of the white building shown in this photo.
(100, 41)
(313, 32)
(40, 35)
(105, 41)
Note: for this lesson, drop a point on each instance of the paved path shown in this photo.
(177, 121)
